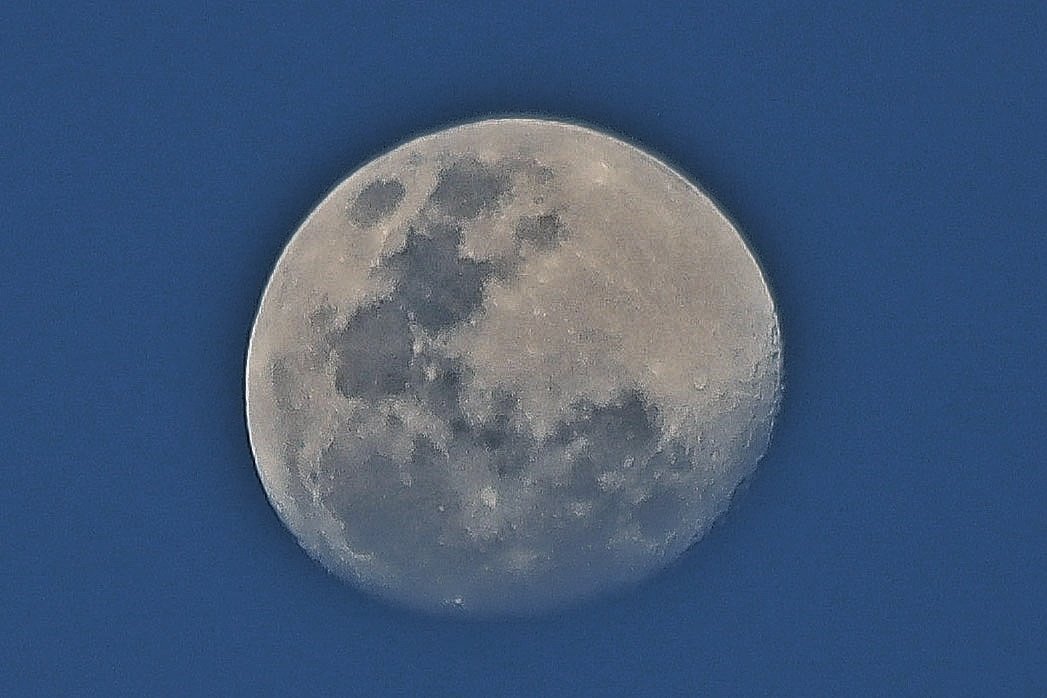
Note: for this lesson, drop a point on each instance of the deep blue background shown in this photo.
(888, 164)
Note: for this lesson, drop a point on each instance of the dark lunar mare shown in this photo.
(436, 288)
(376, 201)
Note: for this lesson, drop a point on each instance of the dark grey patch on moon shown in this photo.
(437, 286)
(376, 202)
(367, 493)
(374, 351)
(469, 186)
(622, 431)
(544, 230)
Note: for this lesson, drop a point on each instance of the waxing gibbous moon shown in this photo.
(509, 365)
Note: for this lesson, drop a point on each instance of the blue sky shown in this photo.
(886, 162)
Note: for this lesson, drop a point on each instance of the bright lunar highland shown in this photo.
(509, 365)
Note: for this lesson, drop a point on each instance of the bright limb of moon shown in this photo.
(509, 365)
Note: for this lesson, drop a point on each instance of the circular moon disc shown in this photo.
(508, 365)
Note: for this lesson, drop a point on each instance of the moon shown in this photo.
(510, 365)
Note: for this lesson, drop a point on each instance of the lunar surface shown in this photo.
(510, 365)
